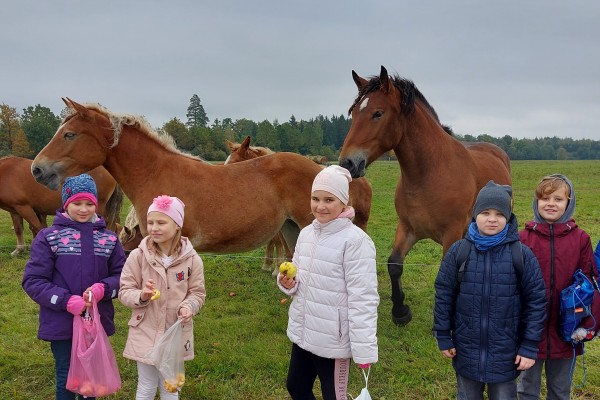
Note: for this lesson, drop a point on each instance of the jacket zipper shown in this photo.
(551, 291)
(485, 313)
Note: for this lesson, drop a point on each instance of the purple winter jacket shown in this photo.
(65, 259)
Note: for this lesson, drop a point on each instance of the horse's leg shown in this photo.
(403, 242)
(281, 250)
(17, 222)
(269, 254)
(290, 232)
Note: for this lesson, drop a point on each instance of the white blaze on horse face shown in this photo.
(364, 104)
(227, 160)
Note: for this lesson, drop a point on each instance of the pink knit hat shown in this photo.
(335, 180)
(170, 206)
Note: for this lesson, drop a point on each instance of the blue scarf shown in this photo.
(484, 242)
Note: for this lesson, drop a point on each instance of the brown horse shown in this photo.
(230, 208)
(361, 192)
(440, 176)
(24, 198)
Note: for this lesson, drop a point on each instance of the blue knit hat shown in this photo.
(79, 187)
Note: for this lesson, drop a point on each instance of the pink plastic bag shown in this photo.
(93, 371)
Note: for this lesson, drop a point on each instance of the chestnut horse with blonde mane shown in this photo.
(440, 176)
(229, 208)
(360, 198)
(24, 198)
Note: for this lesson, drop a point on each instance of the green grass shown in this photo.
(242, 351)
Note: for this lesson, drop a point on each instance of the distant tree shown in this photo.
(244, 127)
(266, 135)
(196, 116)
(177, 130)
(9, 128)
(313, 138)
(20, 146)
(562, 154)
(39, 124)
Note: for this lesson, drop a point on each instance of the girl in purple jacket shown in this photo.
(75, 256)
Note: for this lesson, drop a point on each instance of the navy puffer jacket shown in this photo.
(493, 317)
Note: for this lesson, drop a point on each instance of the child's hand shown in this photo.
(185, 315)
(524, 362)
(286, 282)
(147, 290)
(449, 353)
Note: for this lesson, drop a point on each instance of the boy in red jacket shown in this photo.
(561, 249)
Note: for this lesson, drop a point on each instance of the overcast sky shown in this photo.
(521, 68)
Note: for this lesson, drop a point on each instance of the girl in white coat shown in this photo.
(162, 281)
(333, 317)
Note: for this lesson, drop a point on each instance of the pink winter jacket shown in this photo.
(181, 284)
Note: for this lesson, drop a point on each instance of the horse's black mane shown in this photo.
(409, 92)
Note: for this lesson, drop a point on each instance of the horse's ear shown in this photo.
(230, 144)
(384, 79)
(81, 110)
(245, 144)
(360, 82)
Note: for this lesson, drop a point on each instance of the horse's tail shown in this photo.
(112, 212)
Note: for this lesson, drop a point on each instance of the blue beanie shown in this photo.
(79, 187)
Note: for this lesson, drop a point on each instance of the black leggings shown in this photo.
(304, 369)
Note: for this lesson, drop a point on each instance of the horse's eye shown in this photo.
(69, 135)
(377, 114)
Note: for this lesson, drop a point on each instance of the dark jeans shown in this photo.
(467, 389)
(61, 350)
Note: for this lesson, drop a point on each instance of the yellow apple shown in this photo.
(288, 268)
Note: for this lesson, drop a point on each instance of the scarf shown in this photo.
(485, 242)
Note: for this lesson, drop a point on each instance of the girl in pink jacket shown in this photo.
(162, 281)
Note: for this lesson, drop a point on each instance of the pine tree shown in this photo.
(196, 116)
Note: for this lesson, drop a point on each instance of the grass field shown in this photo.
(242, 351)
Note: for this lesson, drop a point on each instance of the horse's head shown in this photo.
(243, 151)
(376, 123)
(79, 145)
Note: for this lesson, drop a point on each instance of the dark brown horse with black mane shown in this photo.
(440, 176)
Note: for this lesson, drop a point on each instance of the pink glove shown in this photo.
(97, 291)
(75, 305)
(364, 366)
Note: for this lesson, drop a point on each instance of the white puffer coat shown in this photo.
(334, 311)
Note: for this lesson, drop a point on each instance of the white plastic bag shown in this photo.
(167, 356)
(364, 393)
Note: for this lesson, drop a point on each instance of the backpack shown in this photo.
(464, 249)
(576, 304)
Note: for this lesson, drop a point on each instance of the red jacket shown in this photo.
(561, 249)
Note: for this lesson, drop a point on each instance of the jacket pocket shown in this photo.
(136, 318)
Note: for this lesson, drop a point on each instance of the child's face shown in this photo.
(81, 210)
(325, 206)
(490, 222)
(161, 227)
(552, 206)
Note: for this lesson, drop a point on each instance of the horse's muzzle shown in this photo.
(356, 166)
(45, 176)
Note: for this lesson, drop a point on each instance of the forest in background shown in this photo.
(25, 134)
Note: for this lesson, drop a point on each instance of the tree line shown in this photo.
(25, 134)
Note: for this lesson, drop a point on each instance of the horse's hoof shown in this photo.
(404, 318)
(17, 252)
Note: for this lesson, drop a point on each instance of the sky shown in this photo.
(521, 68)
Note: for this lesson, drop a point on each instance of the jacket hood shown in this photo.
(187, 250)
(568, 215)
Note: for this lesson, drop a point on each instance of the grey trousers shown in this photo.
(558, 380)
